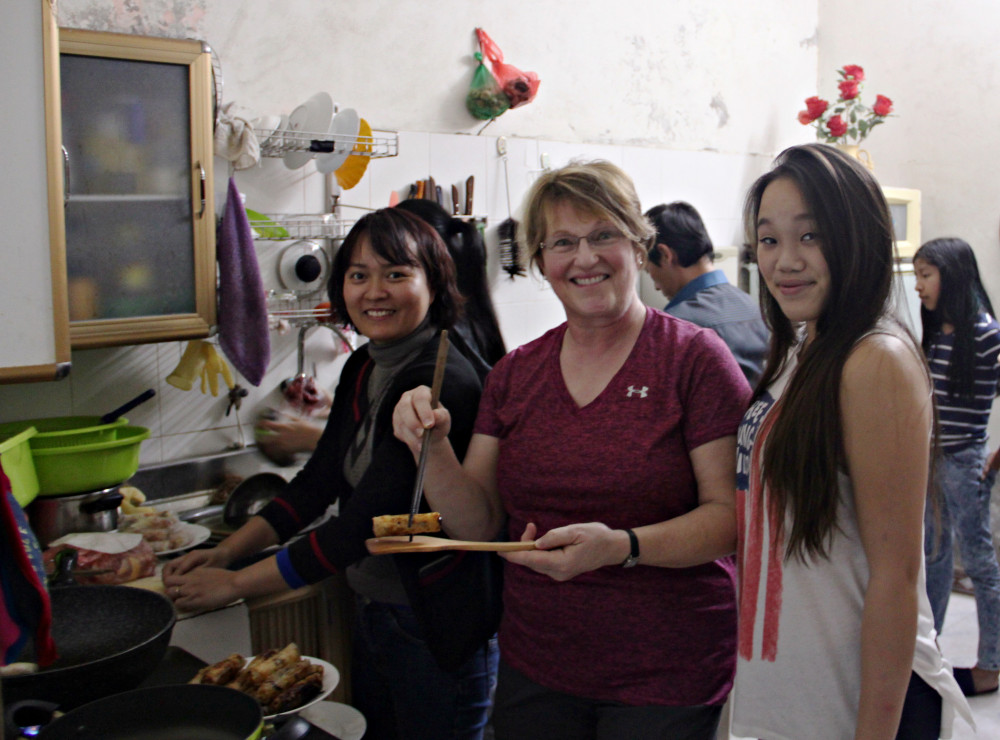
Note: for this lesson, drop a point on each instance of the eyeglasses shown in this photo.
(598, 239)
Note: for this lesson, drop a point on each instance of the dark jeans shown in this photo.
(965, 512)
(402, 691)
(526, 711)
(921, 718)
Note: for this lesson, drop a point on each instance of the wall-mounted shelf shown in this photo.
(279, 143)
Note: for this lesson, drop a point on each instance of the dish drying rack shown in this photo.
(279, 143)
(289, 226)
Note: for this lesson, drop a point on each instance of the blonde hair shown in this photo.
(599, 188)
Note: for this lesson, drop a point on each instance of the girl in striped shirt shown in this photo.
(961, 340)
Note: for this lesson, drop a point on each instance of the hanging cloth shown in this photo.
(243, 333)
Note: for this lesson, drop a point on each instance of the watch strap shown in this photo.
(633, 556)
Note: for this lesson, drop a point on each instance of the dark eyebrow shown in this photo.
(799, 218)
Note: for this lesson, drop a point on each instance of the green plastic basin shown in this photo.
(89, 467)
(63, 431)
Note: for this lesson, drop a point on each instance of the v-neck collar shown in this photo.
(563, 389)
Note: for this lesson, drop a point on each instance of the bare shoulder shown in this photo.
(885, 364)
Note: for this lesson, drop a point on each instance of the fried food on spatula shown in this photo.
(391, 525)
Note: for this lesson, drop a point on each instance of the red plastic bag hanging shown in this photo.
(520, 87)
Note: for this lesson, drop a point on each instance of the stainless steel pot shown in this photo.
(53, 516)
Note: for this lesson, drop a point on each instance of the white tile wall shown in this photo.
(188, 423)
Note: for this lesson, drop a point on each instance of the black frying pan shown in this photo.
(109, 639)
(248, 498)
(184, 711)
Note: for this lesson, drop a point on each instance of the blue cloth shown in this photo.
(965, 510)
(401, 690)
(963, 421)
(712, 302)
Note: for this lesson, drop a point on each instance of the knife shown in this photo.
(439, 365)
(468, 194)
(454, 200)
(431, 192)
(439, 196)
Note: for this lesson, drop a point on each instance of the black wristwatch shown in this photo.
(633, 557)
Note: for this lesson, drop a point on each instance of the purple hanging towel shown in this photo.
(243, 333)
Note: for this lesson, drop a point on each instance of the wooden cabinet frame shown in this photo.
(197, 57)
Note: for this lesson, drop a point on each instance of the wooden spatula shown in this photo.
(423, 543)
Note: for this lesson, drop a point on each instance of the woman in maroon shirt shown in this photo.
(624, 419)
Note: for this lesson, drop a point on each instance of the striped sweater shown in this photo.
(963, 420)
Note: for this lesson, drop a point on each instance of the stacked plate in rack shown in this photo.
(318, 120)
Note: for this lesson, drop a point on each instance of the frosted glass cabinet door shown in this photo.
(140, 249)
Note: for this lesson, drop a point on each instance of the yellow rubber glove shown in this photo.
(214, 367)
(192, 365)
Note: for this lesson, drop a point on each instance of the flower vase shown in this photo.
(862, 155)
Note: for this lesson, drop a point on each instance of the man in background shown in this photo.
(680, 263)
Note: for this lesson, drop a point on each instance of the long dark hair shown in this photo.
(961, 299)
(805, 452)
(468, 251)
(401, 239)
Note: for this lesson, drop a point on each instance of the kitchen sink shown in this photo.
(187, 484)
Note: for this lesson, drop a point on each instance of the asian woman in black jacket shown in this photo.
(394, 279)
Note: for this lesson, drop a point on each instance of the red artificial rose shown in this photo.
(883, 106)
(837, 126)
(815, 107)
(854, 72)
(849, 89)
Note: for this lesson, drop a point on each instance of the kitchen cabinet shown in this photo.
(34, 331)
(137, 117)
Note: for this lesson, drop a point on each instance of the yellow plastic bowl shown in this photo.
(353, 169)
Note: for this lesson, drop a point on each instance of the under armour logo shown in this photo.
(643, 392)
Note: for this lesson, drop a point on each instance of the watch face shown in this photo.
(630, 561)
